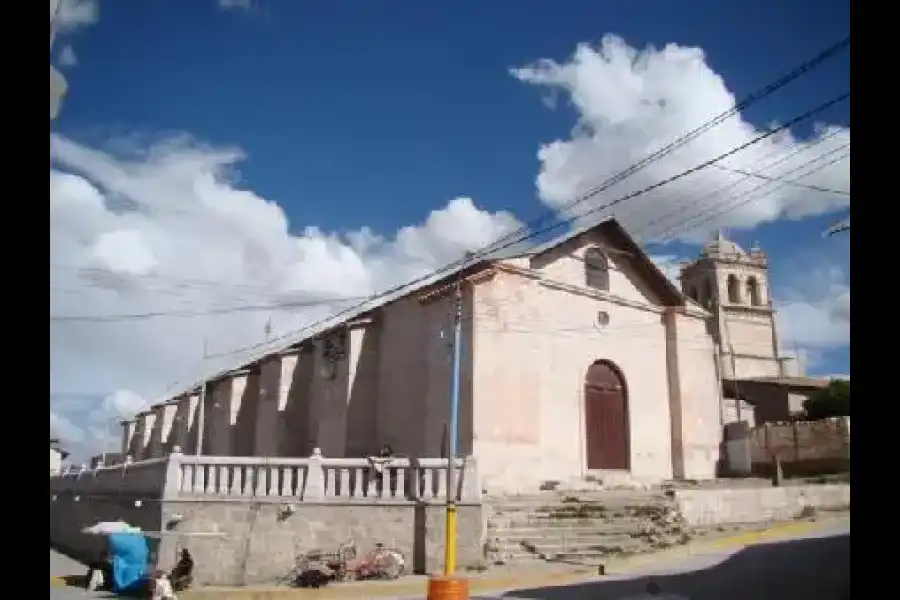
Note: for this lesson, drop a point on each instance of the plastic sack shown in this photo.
(130, 556)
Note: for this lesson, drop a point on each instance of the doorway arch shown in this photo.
(606, 420)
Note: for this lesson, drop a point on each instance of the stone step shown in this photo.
(585, 555)
(541, 537)
(566, 530)
(551, 548)
(608, 498)
(563, 519)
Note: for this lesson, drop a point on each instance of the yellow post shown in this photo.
(451, 586)
(450, 543)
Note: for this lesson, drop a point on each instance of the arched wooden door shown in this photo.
(606, 418)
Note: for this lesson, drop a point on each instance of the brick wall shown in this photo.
(803, 447)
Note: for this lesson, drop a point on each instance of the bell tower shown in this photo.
(734, 286)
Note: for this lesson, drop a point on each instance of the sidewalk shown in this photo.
(481, 583)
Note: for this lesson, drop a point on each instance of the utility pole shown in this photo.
(450, 542)
(449, 585)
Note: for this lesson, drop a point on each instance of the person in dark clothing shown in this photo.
(182, 576)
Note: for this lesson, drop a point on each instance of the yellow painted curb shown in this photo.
(57, 582)
(744, 538)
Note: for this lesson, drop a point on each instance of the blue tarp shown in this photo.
(130, 554)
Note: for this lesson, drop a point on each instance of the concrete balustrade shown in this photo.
(300, 479)
(317, 478)
(147, 477)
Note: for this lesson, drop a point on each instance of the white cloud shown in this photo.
(61, 427)
(816, 314)
(631, 103)
(166, 230)
(75, 14)
(67, 57)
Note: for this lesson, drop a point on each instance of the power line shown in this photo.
(730, 206)
(524, 233)
(694, 200)
(198, 313)
(505, 242)
(814, 188)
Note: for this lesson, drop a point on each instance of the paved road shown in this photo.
(812, 567)
(60, 566)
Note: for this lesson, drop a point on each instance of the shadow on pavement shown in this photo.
(79, 581)
(808, 569)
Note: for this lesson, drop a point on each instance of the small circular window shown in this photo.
(602, 318)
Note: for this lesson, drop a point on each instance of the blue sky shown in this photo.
(354, 115)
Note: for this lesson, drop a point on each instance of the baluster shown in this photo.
(273, 481)
(415, 481)
(441, 474)
(237, 480)
(400, 490)
(427, 489)
(346, 483)
(330, 483)
(198, 482)
(223, 480)
(287, 481)
(249, 474)
(259, 488)
(370, 479)
(187, 478)
(356, 482)
(210, 479)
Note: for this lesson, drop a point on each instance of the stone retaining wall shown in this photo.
(246, 520)
(757, 505)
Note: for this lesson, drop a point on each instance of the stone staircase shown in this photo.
(582, 527)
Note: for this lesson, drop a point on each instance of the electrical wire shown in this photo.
(473, 258)
(691, 222)
(814, 188)
(198, 313)
(688, 200)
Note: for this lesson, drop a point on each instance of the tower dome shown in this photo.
(721, 246)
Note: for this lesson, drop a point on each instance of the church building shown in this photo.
(580, 359)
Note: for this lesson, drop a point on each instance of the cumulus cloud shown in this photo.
(816, 314)
(633, 102)
(74, 14)
(165, 229)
